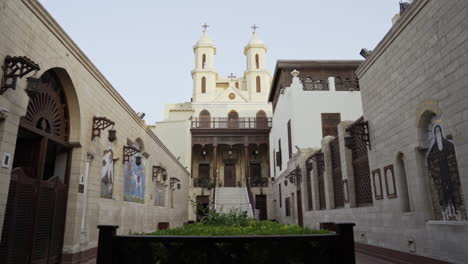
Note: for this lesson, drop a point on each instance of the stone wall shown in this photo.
(26, 29)
(420, 67)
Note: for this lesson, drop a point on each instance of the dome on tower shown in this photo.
(204, 41)
(255, 42)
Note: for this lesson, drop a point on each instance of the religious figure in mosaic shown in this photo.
(134, 178)
(446, 189)
(107, 173)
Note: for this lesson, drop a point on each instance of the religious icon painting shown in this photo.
(107, 173)
(390, 184)
(377, 179)
(445, 186)
(134, 178)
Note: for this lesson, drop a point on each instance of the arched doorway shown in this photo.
(205, 119)
(233, 119)
(36, 207)
(261, 119)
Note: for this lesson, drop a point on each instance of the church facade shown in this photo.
(228, 124)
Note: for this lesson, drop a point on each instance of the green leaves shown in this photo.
(251, 227)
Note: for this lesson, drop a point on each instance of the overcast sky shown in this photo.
(144, 47)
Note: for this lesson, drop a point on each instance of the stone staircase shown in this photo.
(228, 198)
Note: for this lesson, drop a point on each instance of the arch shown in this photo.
(46, 129)
(203, 84)
(233, 119)
(261, 119)
(258, 83)
(402, 183)
(425, 128)
(203, 61)
(257, 61)
(205, 119)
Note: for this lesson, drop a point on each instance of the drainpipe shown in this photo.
(83, 237)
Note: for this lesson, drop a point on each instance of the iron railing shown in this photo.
(224, 122)
(259, 182)
(346, 85)
(315, 85)
(335, 247)
(203, 182)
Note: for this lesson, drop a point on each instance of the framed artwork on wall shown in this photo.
(377, 179)
(390, 184)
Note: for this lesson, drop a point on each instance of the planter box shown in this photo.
(326, 248)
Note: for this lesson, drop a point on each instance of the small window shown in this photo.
(205, 119)
(287, 205)
(289, 140)
(280, 199)
(259, 84)
(203, 84)
(330, 123)
(257, 61)
(203, 61)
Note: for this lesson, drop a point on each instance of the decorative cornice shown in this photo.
(394, 32)
(41, 13)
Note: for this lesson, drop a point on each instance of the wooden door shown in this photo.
(229, 175)
(36, 205)
(261, 204)
(203, 203)
(300, 220)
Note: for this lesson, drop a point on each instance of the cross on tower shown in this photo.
(254, 27)
(232, 77)
(204, 27)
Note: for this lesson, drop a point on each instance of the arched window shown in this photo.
(203, 84)
(442, 170)
(258, 84)
(205, 119)
(257, 61)
(203, 61)
(261, 119)
(233, 119)
(402, 183)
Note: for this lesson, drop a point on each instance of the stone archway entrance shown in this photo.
(36, 207)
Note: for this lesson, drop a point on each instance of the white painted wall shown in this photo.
(304, 109)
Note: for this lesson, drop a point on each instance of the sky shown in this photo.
(145, 47)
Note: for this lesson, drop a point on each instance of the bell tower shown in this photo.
(204, 75)
(257, 77)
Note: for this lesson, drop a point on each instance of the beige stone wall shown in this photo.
(26, 29)
(420, 65)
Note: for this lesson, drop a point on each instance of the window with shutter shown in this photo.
(289, 140)
(330, 122)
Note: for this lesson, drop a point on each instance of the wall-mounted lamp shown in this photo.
(112, 135)
(348, 142)
(178, 186)
(173, 181)
(285, 182)
(100, 123)
(129, 151)
(32, 87)
(14, 67)
(138, 160)
(159, 170)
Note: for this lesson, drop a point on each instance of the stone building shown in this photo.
(74, 154)
(222, 135)
(400, 172)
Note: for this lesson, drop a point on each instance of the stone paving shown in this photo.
(366, 259)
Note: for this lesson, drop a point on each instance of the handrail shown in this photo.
(232, 123)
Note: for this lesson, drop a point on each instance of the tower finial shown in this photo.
(205, 26)
(254, 27)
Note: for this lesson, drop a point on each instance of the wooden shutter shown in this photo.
(58, 224)
(330, 122)
(17, 226)
(289, 140)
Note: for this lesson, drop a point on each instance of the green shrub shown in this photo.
(251, 227)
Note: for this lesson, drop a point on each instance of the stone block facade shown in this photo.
(26, 29)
